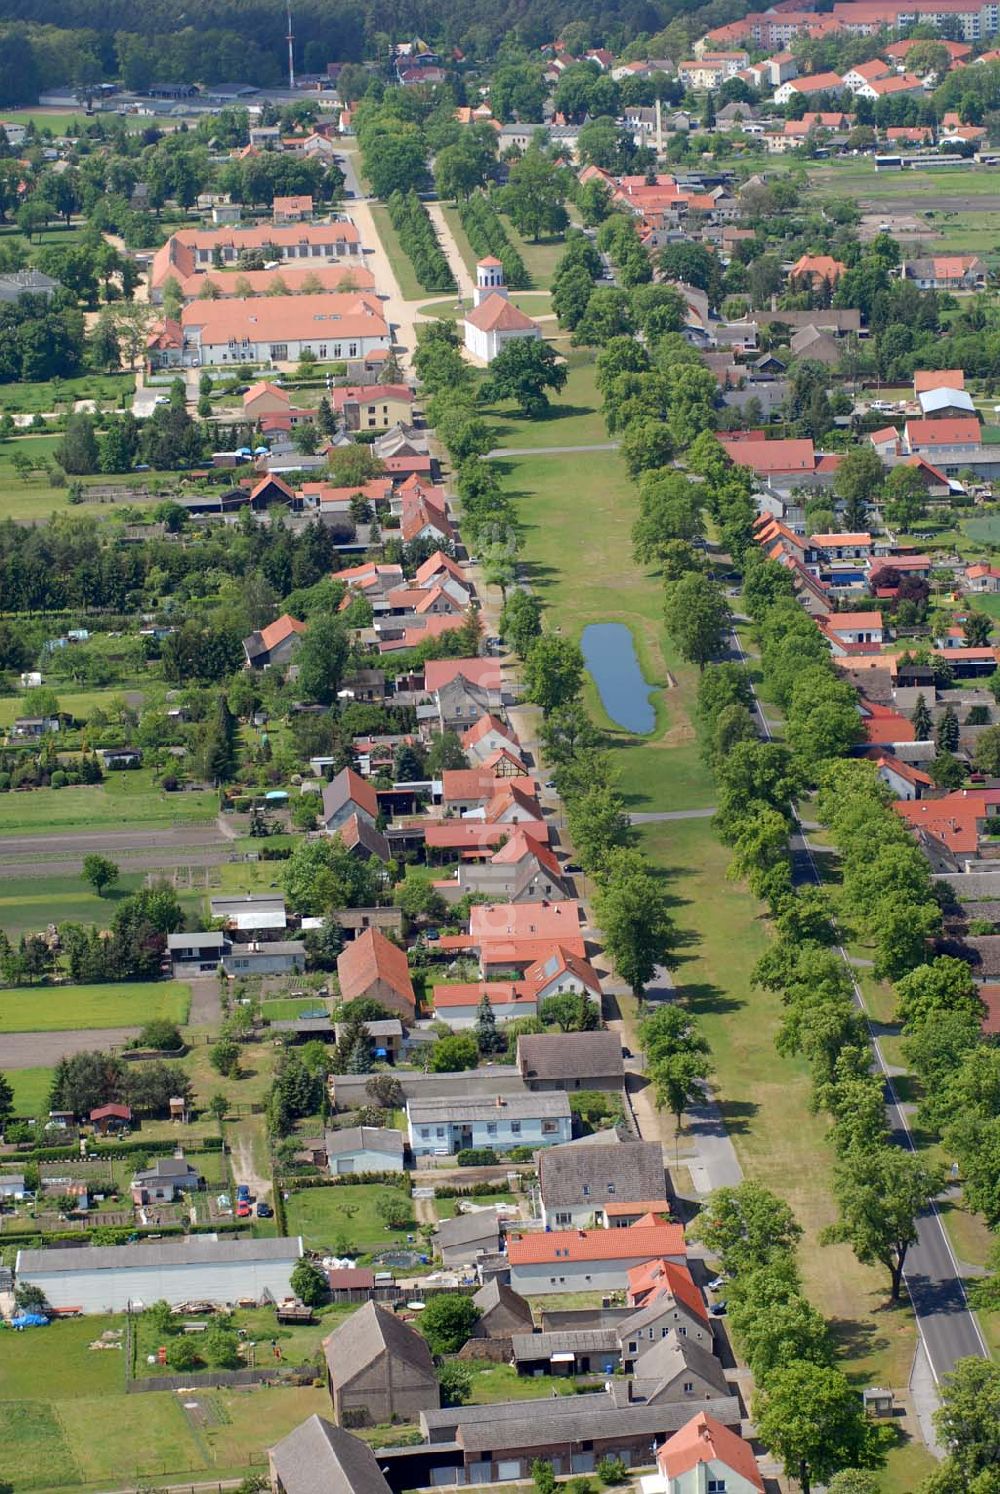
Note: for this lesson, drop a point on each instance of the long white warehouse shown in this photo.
(110, 1278)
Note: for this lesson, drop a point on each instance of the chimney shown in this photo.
(501, 1102)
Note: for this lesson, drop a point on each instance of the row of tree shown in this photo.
(486, 233)
(412, 223)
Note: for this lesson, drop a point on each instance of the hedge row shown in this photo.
(400, 1180)
(118, 1151)
(412, 223)
(487, 235)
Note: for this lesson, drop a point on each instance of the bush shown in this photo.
(487, 235)
(612, 1471)
(447, 1322)
(59, 779)
(412, 223)
(478, 1156)
(160, 1034)
(455, 1381)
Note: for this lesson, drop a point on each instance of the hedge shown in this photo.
(118, 1150)
(401, 1180)
(412, 223)
(487, 235)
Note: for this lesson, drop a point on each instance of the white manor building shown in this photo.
(493, 320)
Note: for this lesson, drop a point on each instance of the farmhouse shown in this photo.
(571, 1060)
(705, 1455)
(578, 1181)
(110, 1278)
(461, 1239)
(589, 1260)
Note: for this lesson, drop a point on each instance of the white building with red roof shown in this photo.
(493, 321)
(705, 1455)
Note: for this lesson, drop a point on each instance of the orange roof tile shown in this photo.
(659, 1277)
(926, 379)
(497, 314)
(282, 627)
(962, 431)
(371, 957)
(705, 1440)
(595, 1244)
(288, 318)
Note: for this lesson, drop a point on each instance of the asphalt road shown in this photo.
(947, 1326)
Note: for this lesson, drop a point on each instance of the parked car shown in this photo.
(717, 1284)
(718, 1309)
(243, 1192)
(264, 1211)
(244, 1211)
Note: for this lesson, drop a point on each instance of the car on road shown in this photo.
(718, 1309)
(264, 1211)
(244, 1211)
(572, 868)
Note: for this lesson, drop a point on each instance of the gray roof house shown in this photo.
(502, 1311)
(379, 1370)
(443, 1126)
(462, 1238)
(27, 283)
(278, 957)
(576, 1181)
(319, 1458)
(571, 1060)
(162, 1182)
(198, 953)
(364, 1149)
(676, 1369)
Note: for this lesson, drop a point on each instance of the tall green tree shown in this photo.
(697, 618)
(881, 1193)
(811, 1417)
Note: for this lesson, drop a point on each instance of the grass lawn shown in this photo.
(80, 704)
(35, 1452)
(534, 303)
(402, 266)
(284, 1009)
(590, 497)
(765, 1098)
(40, 399)
(31, 1090)
(37, 901)
(540, 259)
(573, 418)
(122, 799)
(983, 530)
(324, 1216)
(66, 1008)
(501, 1382)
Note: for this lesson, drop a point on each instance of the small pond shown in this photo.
(610, 656)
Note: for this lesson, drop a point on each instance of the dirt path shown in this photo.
(452, 253)
(424, 1210)
(240, 1139)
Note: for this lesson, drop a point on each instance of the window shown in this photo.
(549, 1128)
(439, 1130)
(491, 1128)
(586, 1190)
(689, 1387)
(611, 1190)
(322, 350)
(716, 1486)
(425, 1132)
(515, 1128)
(279, 352)
(352, 350)
(681, 1332)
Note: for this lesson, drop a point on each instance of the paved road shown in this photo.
(947, 1326)
(659, 817)
(499, 453)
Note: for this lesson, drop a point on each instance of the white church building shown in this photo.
(493, 320)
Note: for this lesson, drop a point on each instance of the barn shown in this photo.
(109, 1278)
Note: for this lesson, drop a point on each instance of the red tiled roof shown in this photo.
(962, 431)
(595, 1244)
(705, 1440)
(482, 672)
(497, 314)
(542, 920)
(925, 379)
(371, 957)
(792, 455)
(539, 974)
(657, 1278)
(282, 627)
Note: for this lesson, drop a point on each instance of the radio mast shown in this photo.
(291, 46)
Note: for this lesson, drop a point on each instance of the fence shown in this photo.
(214, 1379)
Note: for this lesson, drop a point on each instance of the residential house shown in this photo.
(904, 779)
(894, 84)
(941, 378)
(501, 1311)
(816, 270)
(292, 209)
(361, 838)
(197, 953)
(947, 272)
(461, 1239)
(265, 398)
(346, 796)
(523, 870)
(458, 1003)
(794, 456)
(858, 77)
(463, 690)
(576, 1182)
(853, 628)
(372, 407)
(441, 1126)
(264, 957)
(165, 1179)
(594, 1260)
(319, 1456)
(806, 87)
(982, 578)
(942, 441)
(251, 913)
(274, 644)
(357, 1149)
(665, 1300)
(705, 1457)
(817, 346)
(493, 320)
(371, 966)
(379, 1369)
(571, 1060)
(678, 1369)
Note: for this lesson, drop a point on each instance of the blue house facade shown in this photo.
(441, 1126)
